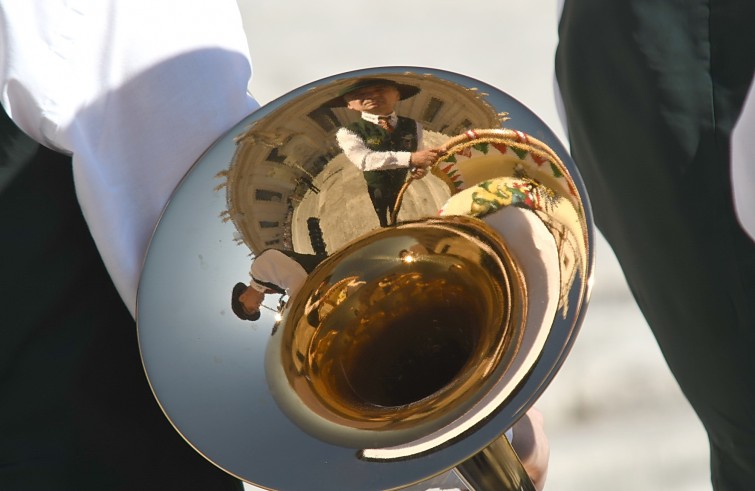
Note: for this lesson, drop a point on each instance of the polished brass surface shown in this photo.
(399, 332)
(488, 160)
(411, 347)
(497, 467)
(289, 167)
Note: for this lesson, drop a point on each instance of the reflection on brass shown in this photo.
(509, 148)
(497, 467)
(288, 166)
(401, 338)
(414, 344)
(401, 330)
(483, 162)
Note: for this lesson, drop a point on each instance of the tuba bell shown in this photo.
(441, 305)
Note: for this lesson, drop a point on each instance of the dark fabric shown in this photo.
(402, 138)
(651, 92)
(307, 261)
(383, 186)
(76, 411)
(384, 197)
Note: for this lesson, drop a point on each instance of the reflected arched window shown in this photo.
(268, 195)
(276, 156)
(432, 109)
(325, 119)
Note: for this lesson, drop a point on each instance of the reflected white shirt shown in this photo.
(359, 154)
(272, 266)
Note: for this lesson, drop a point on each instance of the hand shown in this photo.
(425, 158)
(419, 172)
(532, 447)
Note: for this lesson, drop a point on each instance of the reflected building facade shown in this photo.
(289, 168)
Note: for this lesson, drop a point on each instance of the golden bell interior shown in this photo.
(399, 332)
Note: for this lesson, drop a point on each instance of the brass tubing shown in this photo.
(496, 468)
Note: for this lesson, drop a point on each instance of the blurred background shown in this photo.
(614, 414)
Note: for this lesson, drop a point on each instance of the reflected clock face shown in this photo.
(311, 174)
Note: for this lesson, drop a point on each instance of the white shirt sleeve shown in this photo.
(743, 165)
(272, 266)
(359, 154)
(136, 91)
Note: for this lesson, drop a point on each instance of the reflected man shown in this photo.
(273, 271)
(383, 145)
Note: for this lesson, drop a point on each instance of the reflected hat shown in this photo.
(405, 90)
(238, 307)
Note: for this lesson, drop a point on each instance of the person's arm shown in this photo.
(365, 159)
(421, 160)
(135, 99)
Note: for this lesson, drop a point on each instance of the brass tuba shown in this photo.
(439, 310)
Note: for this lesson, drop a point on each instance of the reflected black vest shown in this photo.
(403, 138)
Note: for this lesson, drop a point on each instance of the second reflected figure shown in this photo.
(273, 271)
(383, 145)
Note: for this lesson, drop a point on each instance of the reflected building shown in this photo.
(288, 167)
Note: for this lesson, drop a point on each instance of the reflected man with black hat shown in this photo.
(384, 146)
(273, 271)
